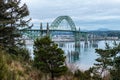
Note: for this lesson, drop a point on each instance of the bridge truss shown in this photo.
(34, 33)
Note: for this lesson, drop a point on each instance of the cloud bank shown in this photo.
(87, 14)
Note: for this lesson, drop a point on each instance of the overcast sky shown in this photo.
(87, 14)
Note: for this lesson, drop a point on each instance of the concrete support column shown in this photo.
(48, 32)
(41, 30)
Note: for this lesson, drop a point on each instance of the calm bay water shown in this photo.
(83, 56)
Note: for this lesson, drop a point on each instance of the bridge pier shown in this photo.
(77, 38)
(41, 30)
(48, 32)
(86, 39)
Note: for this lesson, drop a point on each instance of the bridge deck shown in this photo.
(38, 30)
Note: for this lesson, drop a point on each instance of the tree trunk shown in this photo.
(52, 76)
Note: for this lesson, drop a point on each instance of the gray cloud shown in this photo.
(87, 14)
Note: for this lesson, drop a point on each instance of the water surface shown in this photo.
(82, 56)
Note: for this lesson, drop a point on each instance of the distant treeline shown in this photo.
(106, 33)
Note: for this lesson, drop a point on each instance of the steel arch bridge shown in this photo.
(59, 19)
(34, 33)
(77, 34)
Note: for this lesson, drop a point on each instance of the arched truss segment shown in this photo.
(59, 19)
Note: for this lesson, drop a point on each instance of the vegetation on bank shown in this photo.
(48, 58)
(19, 66)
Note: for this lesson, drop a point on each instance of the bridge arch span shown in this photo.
(59, 19)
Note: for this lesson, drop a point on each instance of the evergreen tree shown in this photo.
(48, 57)
(109, 60)
(103, 59)
(115, 70)
(12, 16)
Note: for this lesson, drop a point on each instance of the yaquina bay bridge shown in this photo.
(56, 27)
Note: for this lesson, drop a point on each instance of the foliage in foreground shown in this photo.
(48, 57)
(108, 62)
(12, 15)
(107, 66)
(14, 67)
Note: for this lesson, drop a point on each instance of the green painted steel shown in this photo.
(33, 34)
(55, 24)
(58, 20)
